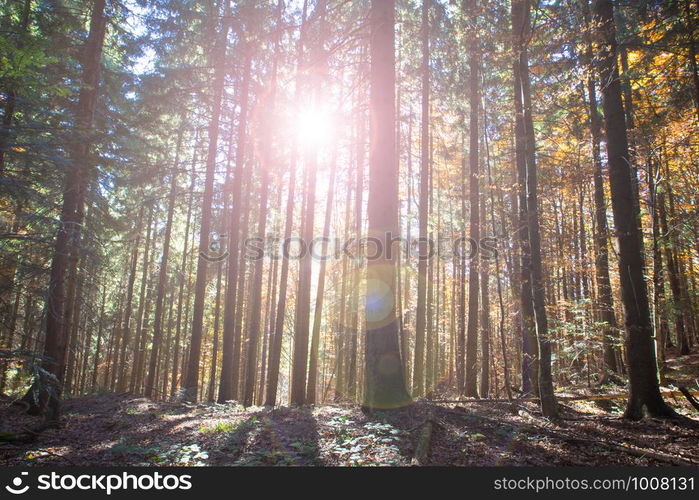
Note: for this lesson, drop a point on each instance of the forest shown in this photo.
(349, 232)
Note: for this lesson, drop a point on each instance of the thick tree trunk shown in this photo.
(71, 221)
(643, 378)
(384, 379)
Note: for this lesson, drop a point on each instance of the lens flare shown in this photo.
(314, 127)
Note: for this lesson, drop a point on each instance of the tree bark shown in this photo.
(71, 220)
(643, 378)
(162, 277)
(384, 380)
(218, 60)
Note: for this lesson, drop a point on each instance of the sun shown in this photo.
(314, 126)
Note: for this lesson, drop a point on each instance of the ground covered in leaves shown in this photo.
(123, 429)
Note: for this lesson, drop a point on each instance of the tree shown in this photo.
(385, 384)
(423, 257)
(71, 214)
(643, 379)
(520, 28)
(471, 382)
(218, 55)
(162, 276)
(604, 289)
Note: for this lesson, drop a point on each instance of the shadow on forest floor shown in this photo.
(125, 429)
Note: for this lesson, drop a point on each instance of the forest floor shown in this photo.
(124, 429)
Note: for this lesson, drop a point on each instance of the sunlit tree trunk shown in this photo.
(530, 351)
(123, 368)
(471, 382)
(421, 312)
(267, 163)
(604, 289)
(320, 291)
(183, 278)
(278, 331)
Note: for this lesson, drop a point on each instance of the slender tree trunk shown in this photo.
(604, 289)
(183, 280)
(227, 390)
(218, 60)
(471, 382)
(320, 291)
(214, 352)
(123, 369)
(423, 245)
(676, 312)
(267, 163)
(278, 332)
(100, 329)
(162, 277)
(660, 324)
(521, 28)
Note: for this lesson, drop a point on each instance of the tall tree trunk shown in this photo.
(496, 256)
(643, 377)
(530, 351)
(384, 380)
(420, 314)
(471, 382)
(352, 346)
(100, 329)
(660, 324)
(214, 351)
(303, 295)
(227, 389)
(183, 280)
(676, 312)
(71, 221)
(320, 290)
(162, 277)
(278, 332)
(604, 290)
(218, 60)
(521, 28)
(266, 165)
(123, 369)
